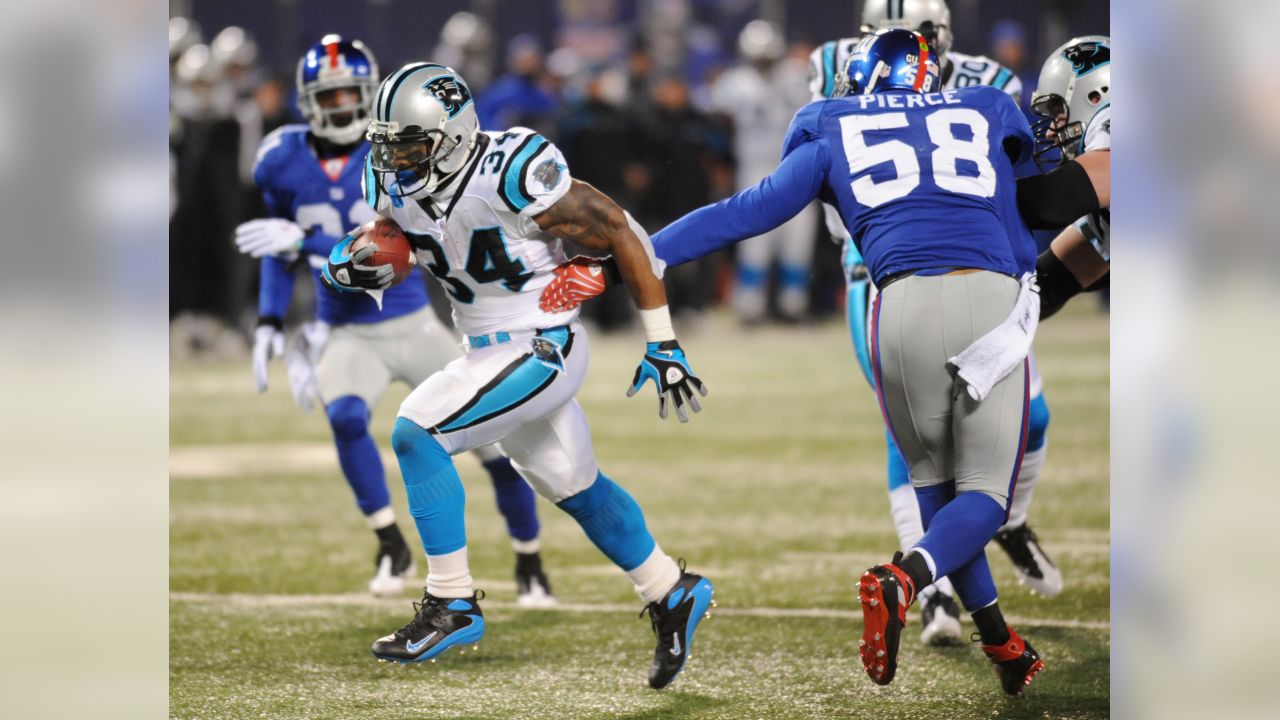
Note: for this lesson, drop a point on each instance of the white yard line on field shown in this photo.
(365, 600)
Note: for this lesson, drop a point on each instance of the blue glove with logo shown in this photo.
(345, 271)
(665, 364)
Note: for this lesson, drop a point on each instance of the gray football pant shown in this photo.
(919, 322)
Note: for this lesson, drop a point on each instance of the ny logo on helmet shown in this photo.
(452, 94)
(1087, 57)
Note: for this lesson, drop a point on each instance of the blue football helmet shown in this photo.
(330, 65)
(890, 59)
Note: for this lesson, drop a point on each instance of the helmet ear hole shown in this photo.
(1095, 96)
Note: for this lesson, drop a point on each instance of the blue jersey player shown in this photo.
(924, 182)
(310, 178)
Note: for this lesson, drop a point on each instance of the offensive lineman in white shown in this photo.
(485, 212)
(932, 18)
(760, 96)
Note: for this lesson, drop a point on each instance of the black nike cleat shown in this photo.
(940, 616)
(675, 618)
(532, 588)
(438, 624)
(1016, 663)
(1034, 568)
(393, 563)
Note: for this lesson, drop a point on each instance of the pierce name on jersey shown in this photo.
(324, 197)
(478, 236)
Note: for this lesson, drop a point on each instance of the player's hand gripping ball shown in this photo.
(375, 256)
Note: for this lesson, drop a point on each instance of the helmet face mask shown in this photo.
(412, 156)
(328, 69)
(1074, 84)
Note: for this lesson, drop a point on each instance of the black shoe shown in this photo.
(437, 625)
(940, 617)
(1034, 568)
(675, 618)
(532, 587)
(393, 563)
(1016, 663)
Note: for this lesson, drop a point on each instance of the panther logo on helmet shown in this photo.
(1087, 57)
(452, 94)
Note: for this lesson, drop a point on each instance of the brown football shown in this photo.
(393, 248)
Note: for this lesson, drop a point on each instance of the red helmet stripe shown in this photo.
(332, 50)
(923, 70)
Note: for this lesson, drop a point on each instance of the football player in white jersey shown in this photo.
(486, 212)
(932, 18)
(761, 95)
(1074, 99)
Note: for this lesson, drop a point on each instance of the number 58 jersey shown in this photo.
(925, 183)
(478, 236)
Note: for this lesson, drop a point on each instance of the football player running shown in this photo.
(310, 179)
(486, 212)
(1073, 98)
(924, 180)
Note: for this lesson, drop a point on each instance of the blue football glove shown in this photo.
(345, 272)
(665, 364)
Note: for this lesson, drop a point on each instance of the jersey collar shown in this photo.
(448, 196)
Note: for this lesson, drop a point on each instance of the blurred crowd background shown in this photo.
(656, 102)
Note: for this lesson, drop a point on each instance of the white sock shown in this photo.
(654, 577)
(449, 575)
(379, 519)
(526, 547)
(1028, 476)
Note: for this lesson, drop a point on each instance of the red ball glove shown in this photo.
(575, 282)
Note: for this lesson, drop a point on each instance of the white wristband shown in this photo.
(657, 324)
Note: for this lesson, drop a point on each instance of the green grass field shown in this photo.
(775, 491)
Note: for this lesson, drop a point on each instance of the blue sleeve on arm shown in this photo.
(275, 288)
(756, 210)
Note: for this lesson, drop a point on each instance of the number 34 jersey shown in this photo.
(478, 236)
(923, 182)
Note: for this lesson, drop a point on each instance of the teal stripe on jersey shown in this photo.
(828, 68)
(512, 190)
(1002, 78)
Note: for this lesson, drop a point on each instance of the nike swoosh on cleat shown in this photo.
(415, 647)
(676, 650)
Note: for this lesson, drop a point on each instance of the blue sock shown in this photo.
(516, 500)
(436, 499)
(357, 453)
(974, 584)
(613, 521)
(750, 276)
(793, 276)
(956, 531)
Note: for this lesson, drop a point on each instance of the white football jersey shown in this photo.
(1096, 227)
(479, 236)
(963, 70)
(761, 105)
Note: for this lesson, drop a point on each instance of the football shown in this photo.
(393, 248)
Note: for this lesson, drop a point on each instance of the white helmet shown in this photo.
(1075, 83)
(930, 18)
(233, 46)
(761, 41)
(424, 127)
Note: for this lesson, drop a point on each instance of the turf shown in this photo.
(775, 492)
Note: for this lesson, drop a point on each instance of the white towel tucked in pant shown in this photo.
(993, 356)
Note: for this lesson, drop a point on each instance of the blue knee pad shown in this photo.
(1037, 423)
(357, 453)
(897, 466)
(613, 521)
(515, 498)
(436, 498)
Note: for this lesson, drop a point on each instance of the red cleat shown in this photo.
(885, 593)
(1016, 663)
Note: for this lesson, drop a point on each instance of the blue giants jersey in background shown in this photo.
(324, 198)
(924, 182)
